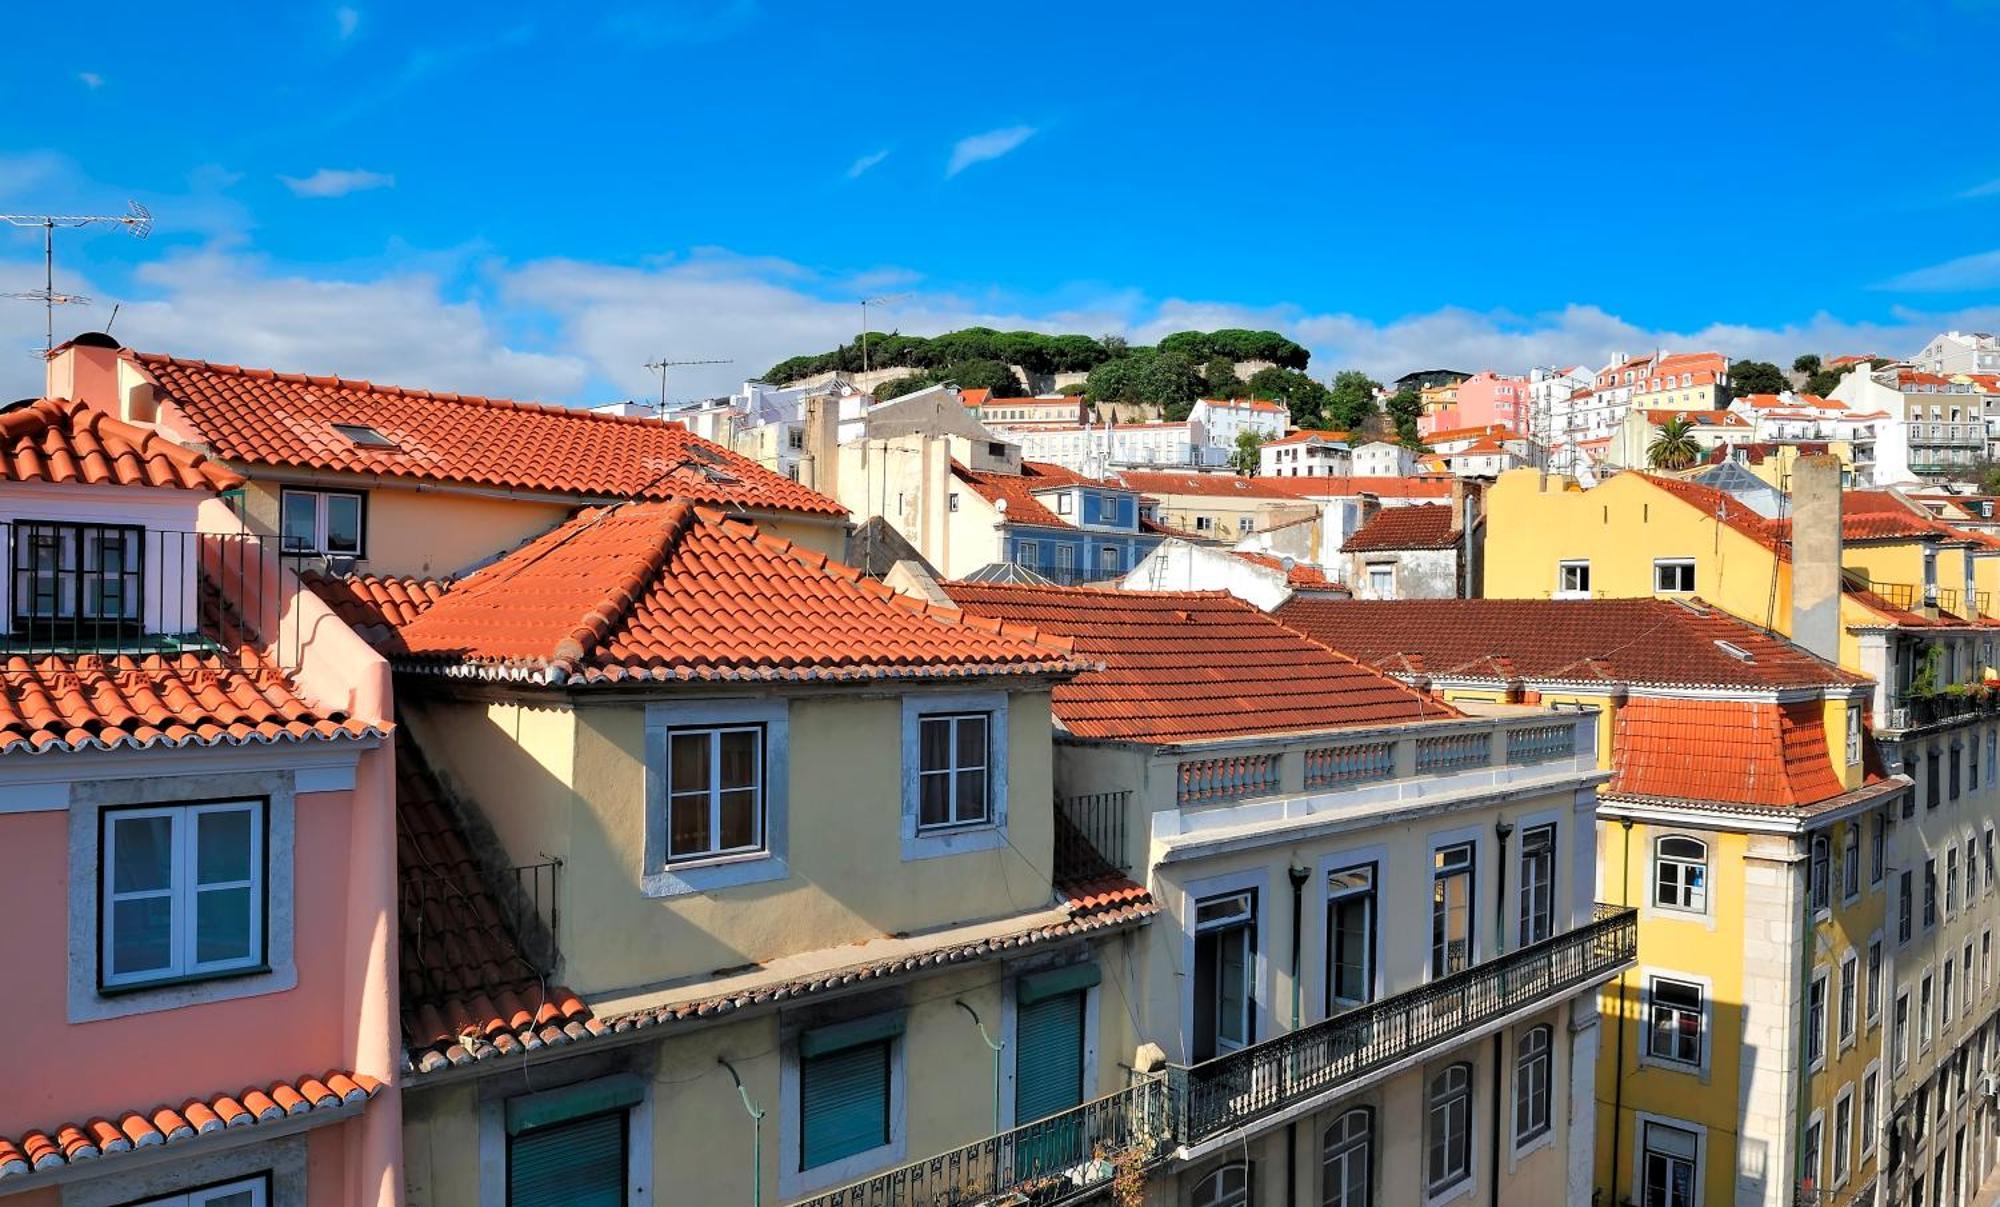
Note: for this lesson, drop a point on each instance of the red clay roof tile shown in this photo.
(1735, 752)
(377, 605)
(1416, 526)
(51, 440)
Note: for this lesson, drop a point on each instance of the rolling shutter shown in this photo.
(580, 1163)
(1048, 1056)
(843, 1103)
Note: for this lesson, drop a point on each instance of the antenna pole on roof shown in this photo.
(137, 221)
(865, 304)
(661, 366)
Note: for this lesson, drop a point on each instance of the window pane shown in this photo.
(1233, 985)
(142, 935)
(972, 741)
(343, 524)
(935, 742)
(739, 819)
(222, 925)
(687, 762)
(687, 824)
(971, 796)
(934, 799)
(142, 854)
(222, 846)
(300, 520)
(739, 758)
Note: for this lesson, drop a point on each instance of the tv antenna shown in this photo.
(661, 366)
(137, 221)
(865, 304)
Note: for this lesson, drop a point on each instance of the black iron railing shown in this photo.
(1090, 835)
(1242, 1087)
(1066, 1158)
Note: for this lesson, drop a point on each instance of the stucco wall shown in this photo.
(430, 533)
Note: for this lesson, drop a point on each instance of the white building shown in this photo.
(1225, 420)
(1306, 454)
(1960, 352)
(1934, 427)
(1383, 459)
(1097, 449)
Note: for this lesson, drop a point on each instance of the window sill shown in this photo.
(129, 988)
(1542, 1139)
(938, 842)
(711, 875)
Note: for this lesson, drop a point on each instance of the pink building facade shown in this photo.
(1484, 399)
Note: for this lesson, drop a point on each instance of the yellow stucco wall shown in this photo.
(427, 533)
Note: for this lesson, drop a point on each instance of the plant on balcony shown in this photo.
(1128, 1183)
(1930, 669)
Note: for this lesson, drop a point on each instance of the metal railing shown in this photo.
(1070, 576)
(1090, 835)
(1243, 1087)
(1949, 598)
(1066, 1158)
(541, 888)
(1225, 778)
(435, 904)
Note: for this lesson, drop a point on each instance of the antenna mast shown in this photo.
(137, 221)
(661, 366)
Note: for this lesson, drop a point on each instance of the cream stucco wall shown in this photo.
(422, 532)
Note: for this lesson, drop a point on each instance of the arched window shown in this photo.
(1680, 874)
(1531, 1084)
(1226, 1187)
(1449, 1129)
(1348, 1161)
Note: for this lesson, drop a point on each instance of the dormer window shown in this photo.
(364, 436)
(76, 579)
(323, 522)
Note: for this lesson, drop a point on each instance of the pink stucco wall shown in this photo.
(1487, 398)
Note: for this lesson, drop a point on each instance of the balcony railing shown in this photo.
(1066, 1158)
(1229, 777)
(1090, 835)
(1243, 1087)
(1949, 598)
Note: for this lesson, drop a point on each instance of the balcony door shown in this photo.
(1225, 963)
(1350, 937)
(1451, 909)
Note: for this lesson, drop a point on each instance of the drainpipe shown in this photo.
(997, 1050)
(756, 1134)
(1501, 830)
(1618, 1068)
(1299, 876)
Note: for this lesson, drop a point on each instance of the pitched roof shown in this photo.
(1733, 752)
(105, 702)
(376, 605)
(1710, 418)
(1302, 574)
(261, 417)
(1166, 482)
(674, 591)
(1801, 401)
(1019, 490)
(163, 1125)
(1334, 486)
(1257, 405)
(1306, 435)
(51, 440)
(1417, 526)
(1640, 642)
(975, 398)
(1499, 430)
(1188, 666)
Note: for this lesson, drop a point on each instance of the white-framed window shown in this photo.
(1381, 581)
(329, 522)
(1448, 1129)
(715, 792)
(1816, 1020)
(1107, 558)
(1899, 1032)
(239, 1192)
(1029, 554)
(1228, 1186)
(1850, 994)
(77, 579)
(1813, 1154)
(1680, 873)
(1533, 1070)
(1673, 575)
(1350, 937)
(1869, 1083)
(1204, 523)
(183, 893)
(1850, 862)
(717, 777)
(1674, 1030)
(954, 766)
(1874, 981)
(1065, 503)
(1821, 869)
(1347, 1160)
(1225, 958)
(1668, 1162)
(1572, 579)
(1925, 1017)
(1947, 982)
(1453, 941)
(1878, 847)
(1537, 880)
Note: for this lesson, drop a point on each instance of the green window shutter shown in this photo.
(843, 1103)
(1048, 1056)
(576, 1164)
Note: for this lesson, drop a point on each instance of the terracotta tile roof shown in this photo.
(99, 1138)
(1641, 642)
(50, 440)
(1187, 666)
(1255, 405)
(1719, 505)
(104, 702)
(1416, 526)
(1019, 490)
(1710, 418)
(674, 591)
(1727, 751)
(376, 605)
(260, 417)
(1302, 574)
(1303, 435)
(1335, 486)
(1493, 430)
(1812, 402)
(1162, 482)
(1485, 446)
(975, 398)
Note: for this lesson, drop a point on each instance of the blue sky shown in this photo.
(522, 202)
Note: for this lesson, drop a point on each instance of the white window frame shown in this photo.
(1842, 1154)
(661, 878)
(1464, 1178)
(1899, 1042)
(1706, 1015)
(1643, 1121)
(953, 723)
(259, 1187)
(320, 499)
(713, 736)
(183, 892)
(1819, 983)
(1653, 897)
(1870, 1111)
(1661, 565)
(1850, 863)
(1847, 1000)
(1564, 578)
(1871, 989)
(1546, 1059)
(919, 841)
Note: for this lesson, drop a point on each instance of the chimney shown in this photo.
(820, 467)
(86, 369)
(1816, 555)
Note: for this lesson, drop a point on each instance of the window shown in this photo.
(1225, 961)
(1451, 909)
(1350, 937)
(1065, 557)
(1988, 842)
(1986, 959)
(1668, 1166)
(84, 577)
(1931, 793)
(1850, 862)
(1944, 991)
(951, 501)
(321, 521)
(1965, 970)
(1226, 1187)
(1680, 874)
(1819, 896)
(1449, 1129)
(844, 1090)
(1850, 972)
(183, 892)
(715, 792)
(1049, 1070)
(1245, 523)
(1813, 1153)
(1853, 731)
(1381, 581)
(574, 1160)
(1874, 980)
(1899, 1031)
(1531, 1084)
(1925, 1018)
(1868, 1090)
(1065, 503)
(1674, 1030)
(1953, 777)
(1029, 554)
(1816, 1020)
(1930, 893)
(1347, 1160)
(1572, 578)
(1107, 558)
(1904, 908)
(244, 1192)
(1878, 847)
(1673, 576)
(1950, 881)
(1538, 877)
(1204, 523)
(952, 779)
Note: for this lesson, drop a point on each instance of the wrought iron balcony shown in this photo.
(1090, 835)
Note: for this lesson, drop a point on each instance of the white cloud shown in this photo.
(981, 147)
(1990, 189)
(1979, 271)
(337, 182)
(866, 162)
(90, 79)
(346, 20)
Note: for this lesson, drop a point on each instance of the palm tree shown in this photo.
(1675, 446)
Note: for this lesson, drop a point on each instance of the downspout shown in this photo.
(1618, 1068)
(756, 1134)
(998, 1048)
(1299, 876)
(1501, 830)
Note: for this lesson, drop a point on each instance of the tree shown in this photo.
(1757, 377)
(1675, 446)
(1404, 406)
(1351, 401)
(1304, 398)
(1244, 458)
(1172, 383)
(1220, 375)
(1072, 389)
(901, 386)
(1806, 365)
(982, 374)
